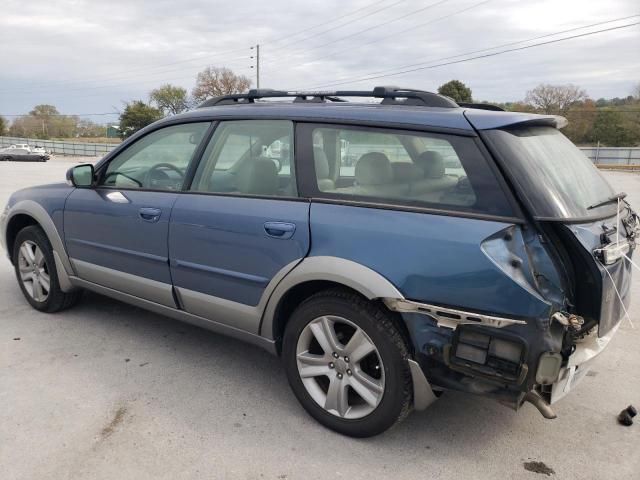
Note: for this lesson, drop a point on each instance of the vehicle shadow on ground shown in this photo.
(455, 419)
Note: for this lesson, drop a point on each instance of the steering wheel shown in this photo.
(157, 167)
(114, 173)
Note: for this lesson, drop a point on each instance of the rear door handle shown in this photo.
(150, 214)
(280, 230)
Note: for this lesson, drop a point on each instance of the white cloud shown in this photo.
(89, 56)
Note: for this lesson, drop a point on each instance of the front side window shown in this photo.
(157, 161)
(405, 168)
(248, 157)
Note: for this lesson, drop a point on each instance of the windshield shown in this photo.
(557, 179)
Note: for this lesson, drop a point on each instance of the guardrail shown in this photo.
(84, 149)
(613, 156)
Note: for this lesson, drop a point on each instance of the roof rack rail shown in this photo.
(482, 106)
(389, 96)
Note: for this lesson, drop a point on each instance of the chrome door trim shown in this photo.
(134, 285)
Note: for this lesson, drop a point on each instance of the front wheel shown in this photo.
(346, 362)
(36, 272)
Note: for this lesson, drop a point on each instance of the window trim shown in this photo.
(308, 187)
(103, 165)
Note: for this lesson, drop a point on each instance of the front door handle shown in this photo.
(281, 230)
(150, 214)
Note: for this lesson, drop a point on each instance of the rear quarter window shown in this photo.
(396, 167)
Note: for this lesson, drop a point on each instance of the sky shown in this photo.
(91, 56)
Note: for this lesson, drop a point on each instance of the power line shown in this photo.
(353, 12)
(367, 29)
(380, 39)
(402, 72)
(58, 114)
(338, 26)
(125, 78)
(146, 69)
(393, 69)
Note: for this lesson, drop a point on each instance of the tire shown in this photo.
(37, 269)
(376, 387)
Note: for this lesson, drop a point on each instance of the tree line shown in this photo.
(608, 122)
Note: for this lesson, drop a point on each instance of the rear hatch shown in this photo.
(591, 228)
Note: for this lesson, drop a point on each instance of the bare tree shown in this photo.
(636, 91)
(555, 99)
(214, 81)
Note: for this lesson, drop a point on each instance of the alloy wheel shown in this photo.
(34, 272)
(340, 367)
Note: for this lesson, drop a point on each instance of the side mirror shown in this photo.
(81, 176)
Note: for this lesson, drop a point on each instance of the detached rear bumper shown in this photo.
(580, 362)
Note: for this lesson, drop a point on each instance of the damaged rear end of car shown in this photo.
(578, 245)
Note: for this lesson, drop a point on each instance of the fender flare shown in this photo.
(40, 215)
(362, 279)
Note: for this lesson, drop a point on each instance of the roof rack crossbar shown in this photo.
(389, 96)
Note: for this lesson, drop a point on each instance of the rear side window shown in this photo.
(445, 172)
(248, 157)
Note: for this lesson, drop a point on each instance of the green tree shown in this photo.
(581, 117)
(456, 90)
(3, 126)
(214, 81)
(170, 99)
(137, 115)
(43, 111)
(609, 129)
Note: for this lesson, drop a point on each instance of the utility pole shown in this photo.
(257, 65)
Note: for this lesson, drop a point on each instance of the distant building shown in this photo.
(113, 131)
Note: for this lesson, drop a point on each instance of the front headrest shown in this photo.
(322, 163)
(405, 172)
(431, 163)
(258, 177)
(373, 168)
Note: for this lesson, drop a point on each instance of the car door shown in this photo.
(116, 233)
(240, 224)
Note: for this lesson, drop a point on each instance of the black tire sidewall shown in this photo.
(37, 236)
(394, 360)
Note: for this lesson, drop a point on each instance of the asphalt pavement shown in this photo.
(109, 391)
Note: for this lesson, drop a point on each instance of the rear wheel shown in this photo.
(36, 272)
(347, 363)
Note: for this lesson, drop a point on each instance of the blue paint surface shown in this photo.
(113, 235)
(429, 258)
(219, 246)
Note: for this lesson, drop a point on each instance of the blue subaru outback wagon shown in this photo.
(387, 251)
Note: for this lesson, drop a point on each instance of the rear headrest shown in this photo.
(431, 164)
(405, 172)
(373, 168)
(322, 163)
(258, 177)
